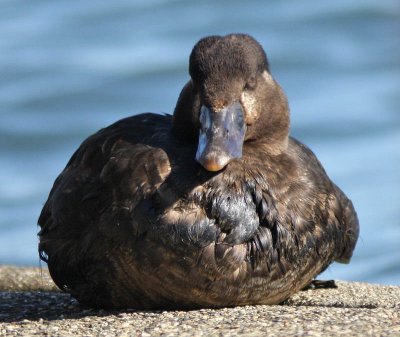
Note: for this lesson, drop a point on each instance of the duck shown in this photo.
(213, 206)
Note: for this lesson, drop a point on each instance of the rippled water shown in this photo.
(70, 68)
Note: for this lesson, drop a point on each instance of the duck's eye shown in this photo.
(250, 84)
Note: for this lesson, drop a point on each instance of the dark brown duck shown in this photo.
(214, 206)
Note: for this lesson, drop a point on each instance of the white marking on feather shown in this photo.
(248, 101)
(267, 77)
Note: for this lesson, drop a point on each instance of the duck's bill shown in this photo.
(221, 136)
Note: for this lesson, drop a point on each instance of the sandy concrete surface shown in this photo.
(30, 305)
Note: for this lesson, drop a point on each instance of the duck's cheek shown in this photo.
(248, 101)
(221, 136)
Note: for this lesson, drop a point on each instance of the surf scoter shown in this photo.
(214, 206)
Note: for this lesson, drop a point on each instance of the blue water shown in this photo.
(69, 68)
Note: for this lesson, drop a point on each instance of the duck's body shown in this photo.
(135, 221)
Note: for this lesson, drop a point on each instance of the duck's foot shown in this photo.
(319, 284)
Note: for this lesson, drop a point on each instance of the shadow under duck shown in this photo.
(214, 206)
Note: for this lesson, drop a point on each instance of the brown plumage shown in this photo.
(135, 221)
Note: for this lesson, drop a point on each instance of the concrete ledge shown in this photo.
(31, 305)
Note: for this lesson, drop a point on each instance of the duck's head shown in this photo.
(231, 99)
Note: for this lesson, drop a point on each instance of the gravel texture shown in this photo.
(30, 305)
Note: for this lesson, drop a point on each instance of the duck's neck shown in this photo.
(185, 120)
(271, 130)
